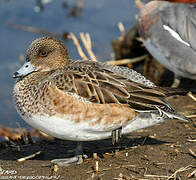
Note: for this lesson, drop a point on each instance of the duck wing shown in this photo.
(97, 83)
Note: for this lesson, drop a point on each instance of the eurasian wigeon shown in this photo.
(85, 100)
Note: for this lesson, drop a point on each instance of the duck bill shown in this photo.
(181, 1)
(26, 69)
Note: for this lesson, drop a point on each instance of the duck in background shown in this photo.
(168, 31)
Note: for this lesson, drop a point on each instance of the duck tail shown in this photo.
(168, 91)
(171, 114)
(181, 117)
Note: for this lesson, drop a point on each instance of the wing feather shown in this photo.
(98, 84)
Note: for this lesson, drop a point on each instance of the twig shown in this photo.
(173, 176)
(45, 136)
(80, 4)
(23, 136)
(155, 176)
(56, 168)
(29, 157)
(126, 61)
(21, 58)
(96, 166)
(139, 39)
(9, 134)
(1, 171)
(192, 153)
(95, 156)
(76, 10)
(191, 140)
(192, 174)
(139, 4)
(122, 30)
(34, 30)
(191, 96)
(77, 44)
(117, 167)
(86, 40)
(191, 116)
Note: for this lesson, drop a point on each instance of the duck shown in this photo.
(167, 29)
(85, 100)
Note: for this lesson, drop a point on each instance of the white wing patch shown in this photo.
(175, 35)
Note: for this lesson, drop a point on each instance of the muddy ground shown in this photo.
(164, 151)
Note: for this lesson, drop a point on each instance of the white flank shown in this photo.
(65, 128)
(143, 120)
(175, 35)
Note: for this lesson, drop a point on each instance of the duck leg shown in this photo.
(77, 159)
(116, 135)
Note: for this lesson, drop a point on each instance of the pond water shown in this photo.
(99, 18)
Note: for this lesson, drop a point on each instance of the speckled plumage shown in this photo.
(86, 100)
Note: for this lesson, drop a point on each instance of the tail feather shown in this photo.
(171, 114)
(182, 117)
(146, 119)
(168, 91)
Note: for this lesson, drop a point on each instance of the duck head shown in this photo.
(44, 54)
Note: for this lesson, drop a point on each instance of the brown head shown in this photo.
(44, 54)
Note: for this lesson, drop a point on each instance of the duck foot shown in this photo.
(78, 159)
(116, 135)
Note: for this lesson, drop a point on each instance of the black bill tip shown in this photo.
(16, 75)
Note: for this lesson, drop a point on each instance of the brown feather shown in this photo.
(98, 84)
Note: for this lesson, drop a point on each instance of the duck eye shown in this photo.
(43, 53)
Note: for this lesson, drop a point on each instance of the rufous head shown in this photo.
(44, 54)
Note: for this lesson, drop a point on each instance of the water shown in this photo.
(99, 18)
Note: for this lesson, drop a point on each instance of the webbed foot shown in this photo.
(68, 161)
(77, 159)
